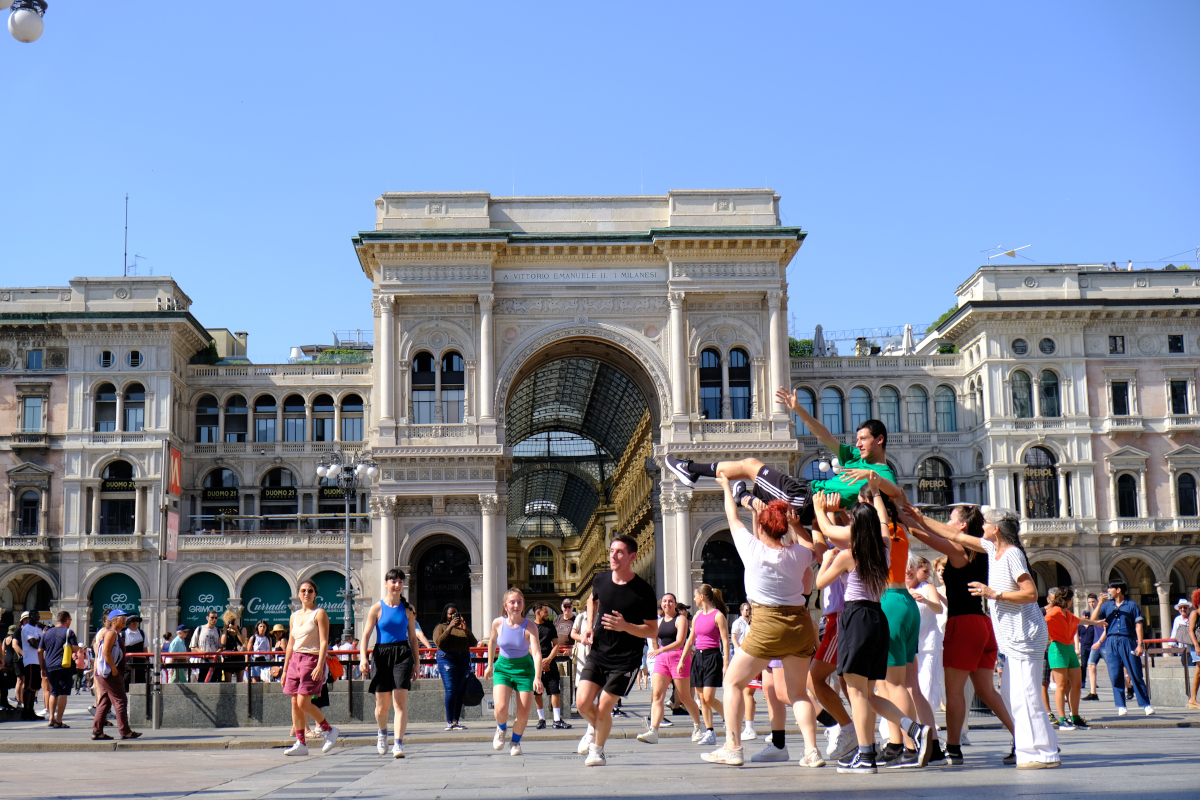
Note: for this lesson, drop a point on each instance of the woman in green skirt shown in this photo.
(513, 670)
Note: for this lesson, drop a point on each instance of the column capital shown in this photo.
(1164, 591)
(486, 299)
(675, 299)
(490, 504)
(774, 298)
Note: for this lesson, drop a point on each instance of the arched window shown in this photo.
(1022, 395)
(135, 408)
(739, 383)
(322, 418)
(454, 381)
(808, 402)
(933, 482)
(27, 524)
(944, 408)
(117, 504)
(208, 419)
(1041, 484)
(710, 384)
(278, 498)
(293, 419)
(1185, 494)
(860, 407)
(352, 418)
(889, 409)
(221, 479)
(918, 409)
(831, 410)
(106, 408)
(219, 496)
(237, 419)
(1048, 394)
(541, 569)
(424, 394)
(1127, 496)
(265, 412)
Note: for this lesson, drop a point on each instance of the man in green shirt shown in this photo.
(857, 465)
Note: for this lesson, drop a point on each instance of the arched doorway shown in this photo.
(200, 594)
(723, 569)
(1047, 575)
(443, 576)
(933, 483)
(111, 591)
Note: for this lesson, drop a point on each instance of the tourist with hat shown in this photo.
(110, 681)
(179, 644)
(279, 635)
(31, 637)
(135, 642)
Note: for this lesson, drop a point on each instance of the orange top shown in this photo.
(898, 569)
(1062, 625)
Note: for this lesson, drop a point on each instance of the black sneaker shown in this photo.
(1092, 696)
(1080, 723)
(1011, 758)
(561, 726)
(863, 764)
(890, 753)
(848, 759)
(908, 759)
(676, 466)
(937, 758)
(541, 724)
(1129, 693)
(954, 757)
(924, 739)
(740, 493)
(1053, 720)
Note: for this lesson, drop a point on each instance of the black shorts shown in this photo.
(62, 681)
(391, 667)
(771, 484)
(551, 683)
(614, 680)
(707, 668)
(863, 638)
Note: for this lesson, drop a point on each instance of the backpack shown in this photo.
(472, 691)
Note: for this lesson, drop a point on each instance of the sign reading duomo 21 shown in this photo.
(532, 359)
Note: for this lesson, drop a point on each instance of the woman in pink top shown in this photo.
(710, 634)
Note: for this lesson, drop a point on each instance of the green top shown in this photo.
(840, 484)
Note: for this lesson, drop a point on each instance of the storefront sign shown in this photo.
(115, 590)
(1039, 472)
(332, 493)
(210, 511)
(267, 597)
(117, 486)
(329, 583)
(933, 484)
(219, 494)
(200, 594)
(275, 494)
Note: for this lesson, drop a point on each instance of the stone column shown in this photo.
(1113, 508)
(683, 544)
(656, 513)
(1062, 494)
(487, 376)
(387, 362)
(139, 508)
(438, 414)
(1144, 499)
(220, 422)
(778, 348)
(1020, 496)
(308, 420)
(43, 510)
(337, 421)
(479, 625)
(726, 401)
(495, 555)
(95, 492)
(279, 421)
(120, 410)
(678, 355)
(1174, 510)
(383, 510)
(1166, 614)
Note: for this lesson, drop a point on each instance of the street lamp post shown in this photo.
(25, 21)
(348, 470)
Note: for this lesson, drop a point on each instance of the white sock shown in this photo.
(591, 729)
(557, 714)
(541, 713)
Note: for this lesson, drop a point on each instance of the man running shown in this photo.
(857, 464)
(622, 608)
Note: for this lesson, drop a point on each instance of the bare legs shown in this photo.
(823, 693)
(502, 695)
(659, 684)
(709, 703)
(865, 704)
(397, 699)
(795, 676)
(596, 707)
(895, 690)
(302, 706)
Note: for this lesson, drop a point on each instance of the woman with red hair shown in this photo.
(778, 576)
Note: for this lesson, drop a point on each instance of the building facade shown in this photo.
(532, 361)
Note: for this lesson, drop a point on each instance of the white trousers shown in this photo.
(1021, 688)
(929, 678)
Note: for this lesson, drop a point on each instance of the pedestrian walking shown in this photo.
(515, 670)
(56, 652)
(1123, 645)
(179, 645)
(454, 641)
(710, 659)
(233, 642)
(31, 637)
(207, 639)
(1193, 631)
(1062, 624)
(110, 679)
(552, 685)
(304, 669)
(11, 668)
(394, 663)
(136, 641)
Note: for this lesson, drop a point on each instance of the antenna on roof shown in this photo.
(125, 258)
(1010, 253)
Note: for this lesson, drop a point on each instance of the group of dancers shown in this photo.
(855, 528)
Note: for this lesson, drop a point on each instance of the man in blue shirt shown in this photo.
(1123, 645)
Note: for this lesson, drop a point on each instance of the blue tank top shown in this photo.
(512, 641)
(393, 624)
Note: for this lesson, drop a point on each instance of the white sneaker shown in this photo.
(1149, 711)
(297, 749)
(965, 741)
(584, 743)
(397, 750)
(707, 740)
(649, 737)
(515, 750)
(330, 737)
(1122, 711)
(845, 744)
(771, 753)
(725, 755)
(381, 743)
(748, 731)
(697, 732)
(831, 734)
(595, 757)
(498, 739)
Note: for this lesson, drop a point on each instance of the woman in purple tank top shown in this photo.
(710, 635)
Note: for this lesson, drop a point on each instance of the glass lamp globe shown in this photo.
(359, 470)
(322, 470)
(372, 472)
(5, 5)
(836, 465)
(25, 25)
(824, 466)
(333, 471)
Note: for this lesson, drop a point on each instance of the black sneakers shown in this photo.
(560, 725)
(541, 724)
(1011, 758)
(676, 466)
(954, 757)
(937, 758)
(1091, 696)
(890, 753)
(907, 759)
(860, 763)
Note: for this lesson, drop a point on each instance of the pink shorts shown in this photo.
(299, 679)
(668, 664)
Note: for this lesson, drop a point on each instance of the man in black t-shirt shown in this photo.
(551, 680)
(623, 611)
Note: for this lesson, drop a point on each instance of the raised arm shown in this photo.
(788, 398)
(943, 530)
(731, 514)
(837, 535)
(833, 566)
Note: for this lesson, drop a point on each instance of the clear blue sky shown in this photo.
(906, 138)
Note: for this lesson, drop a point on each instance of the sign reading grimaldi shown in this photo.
(581, 276)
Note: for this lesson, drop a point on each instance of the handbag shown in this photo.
(472, 691)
